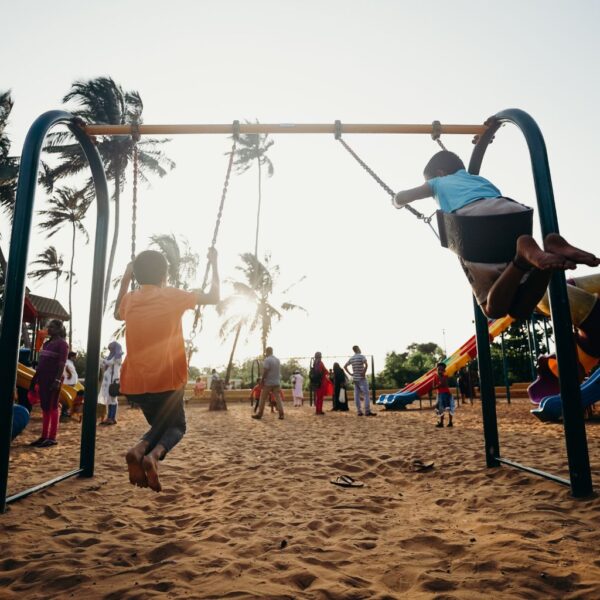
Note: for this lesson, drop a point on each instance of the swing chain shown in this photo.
(198, 313)
(436, 132)
(387, 188)
(135, 136)
(134, 201)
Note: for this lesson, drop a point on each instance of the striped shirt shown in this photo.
(359, 366)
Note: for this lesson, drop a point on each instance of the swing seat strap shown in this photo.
(484, 238)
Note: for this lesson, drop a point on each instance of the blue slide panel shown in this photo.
(397, 401)
(550, 408)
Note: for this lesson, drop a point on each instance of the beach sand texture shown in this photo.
(248, 511)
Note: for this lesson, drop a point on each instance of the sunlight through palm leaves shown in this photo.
(251, 303)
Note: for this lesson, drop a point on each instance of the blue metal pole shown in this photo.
(486, 387)
(574, 426)
(16, 272)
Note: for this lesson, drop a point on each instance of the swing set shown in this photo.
(453, 234)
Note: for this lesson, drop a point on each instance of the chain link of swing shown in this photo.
(197, 326)
(135, 136)
(437, 131)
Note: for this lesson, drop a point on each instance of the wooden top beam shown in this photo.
(281, 128)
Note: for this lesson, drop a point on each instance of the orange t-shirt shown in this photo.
(155, 360)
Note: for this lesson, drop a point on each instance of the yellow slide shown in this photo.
(67, 392)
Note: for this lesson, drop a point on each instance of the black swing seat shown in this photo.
(484, 239)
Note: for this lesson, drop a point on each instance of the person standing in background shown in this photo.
(48, 377)
(271, 384)
(297, 384)
(359, 377)
(112, 374)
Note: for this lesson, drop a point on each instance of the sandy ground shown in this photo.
(248, 511)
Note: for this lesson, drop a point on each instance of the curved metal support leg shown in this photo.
(15, 285)
(574, 426)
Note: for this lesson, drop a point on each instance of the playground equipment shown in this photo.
(544, 391)
(422, 386)
(575, 436)
(20, 419)
(550, 407)
(68, 393)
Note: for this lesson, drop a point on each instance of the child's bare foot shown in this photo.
(529, 252)
(150, 466)
(557, 244)
(137, 475)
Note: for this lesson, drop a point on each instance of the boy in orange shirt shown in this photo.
(155, 370)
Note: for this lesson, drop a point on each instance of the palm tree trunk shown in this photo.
(264, 341)
(258, 210)
(71, 289)
(113, 247)
(230, 364)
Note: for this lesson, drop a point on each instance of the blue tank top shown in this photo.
(461, 188)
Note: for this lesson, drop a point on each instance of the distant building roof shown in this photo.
(47, 308)
(29, 312)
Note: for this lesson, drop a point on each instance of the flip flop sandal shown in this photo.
(347, 481)
(421, 465)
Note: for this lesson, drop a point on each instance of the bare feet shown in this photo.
(557, 244)
(150, 466)
(530, 253)
(137, 475)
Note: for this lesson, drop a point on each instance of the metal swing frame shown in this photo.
(574, 426)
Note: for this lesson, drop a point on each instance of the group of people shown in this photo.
(323, 382)
(56, 367)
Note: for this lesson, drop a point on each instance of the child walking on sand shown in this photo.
(445, 401)
(154, 373)
(512, 288)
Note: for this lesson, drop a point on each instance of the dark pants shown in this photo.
(337, 405)
(165, 415)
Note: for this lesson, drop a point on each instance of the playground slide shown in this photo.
(67, 392)
(465, 354)
(550, 408)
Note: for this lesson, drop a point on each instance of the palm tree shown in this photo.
(252, 297)
(253, 147)
(103, 101)
(183, 263)
(50, 263)
(9, 167)
(67, 206)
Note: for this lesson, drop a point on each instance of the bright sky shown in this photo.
(374, 276)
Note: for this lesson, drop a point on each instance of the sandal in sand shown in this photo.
(347, 481)
(421, 465)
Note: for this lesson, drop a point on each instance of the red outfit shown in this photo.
(325, 389)
(441, 383)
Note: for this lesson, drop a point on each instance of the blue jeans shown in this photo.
(361, 388)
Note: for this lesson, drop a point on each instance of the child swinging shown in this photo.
(513, 287)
